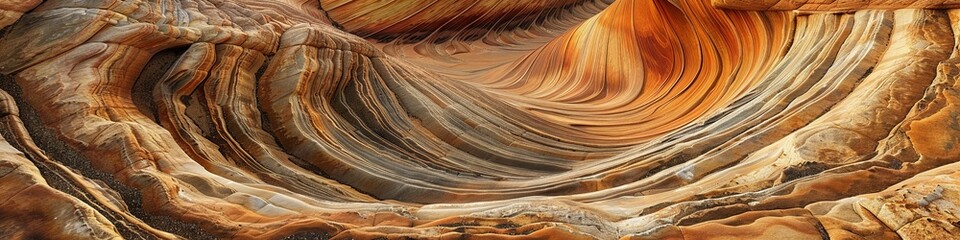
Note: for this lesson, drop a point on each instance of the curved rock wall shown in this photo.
(573, 119)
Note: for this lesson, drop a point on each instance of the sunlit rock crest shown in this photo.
(568, 119)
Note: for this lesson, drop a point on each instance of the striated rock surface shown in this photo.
(568, 119)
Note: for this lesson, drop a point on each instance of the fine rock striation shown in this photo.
(567, 119)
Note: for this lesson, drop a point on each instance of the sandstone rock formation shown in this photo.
(442, 119)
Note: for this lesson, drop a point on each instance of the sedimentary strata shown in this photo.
(572, 119)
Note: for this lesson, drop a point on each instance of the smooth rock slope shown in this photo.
(442, 119)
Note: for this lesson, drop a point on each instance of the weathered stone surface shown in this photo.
(833, 5)
(571, 119)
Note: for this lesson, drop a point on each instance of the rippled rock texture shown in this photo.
(444, 119)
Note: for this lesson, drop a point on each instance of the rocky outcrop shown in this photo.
(574, 119)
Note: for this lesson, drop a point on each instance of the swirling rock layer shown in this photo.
(574, 119)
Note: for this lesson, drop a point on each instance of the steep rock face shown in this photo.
(575, 119)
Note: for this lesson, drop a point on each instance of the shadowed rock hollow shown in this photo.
(442, 119)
